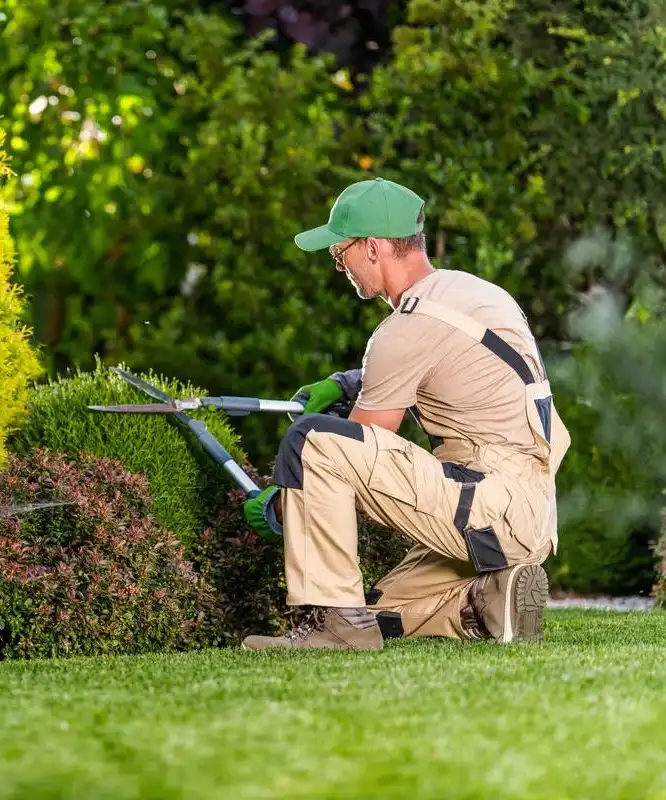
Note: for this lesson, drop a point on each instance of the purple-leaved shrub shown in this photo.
(97, 575)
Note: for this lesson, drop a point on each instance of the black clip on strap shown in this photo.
(408, 305)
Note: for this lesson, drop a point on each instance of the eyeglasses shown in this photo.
(338, 254)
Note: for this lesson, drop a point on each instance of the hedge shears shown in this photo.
(233, 406)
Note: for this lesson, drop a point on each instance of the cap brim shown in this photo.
(318, 238)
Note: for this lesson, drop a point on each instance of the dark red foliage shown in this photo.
(100, 576)
(246, 571)
(95, 576)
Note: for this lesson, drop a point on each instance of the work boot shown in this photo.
(470, 621)
(327, 629)
(508, 604)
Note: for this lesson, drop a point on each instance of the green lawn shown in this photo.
(582, 716)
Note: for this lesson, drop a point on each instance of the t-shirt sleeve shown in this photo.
(396, 362)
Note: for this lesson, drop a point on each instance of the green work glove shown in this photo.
(259, 513)
(318, 396)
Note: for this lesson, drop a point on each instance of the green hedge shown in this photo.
(608, 515)
(660, 582)
(184, 483)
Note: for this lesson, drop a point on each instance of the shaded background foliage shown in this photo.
(161, 178)
(358, 33)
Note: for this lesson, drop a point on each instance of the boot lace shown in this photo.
(313, 620)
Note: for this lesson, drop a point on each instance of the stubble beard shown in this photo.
(361, 290)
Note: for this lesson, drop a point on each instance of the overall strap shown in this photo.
(540, 392)
(475, 330)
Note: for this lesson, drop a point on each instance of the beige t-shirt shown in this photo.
(461, 389)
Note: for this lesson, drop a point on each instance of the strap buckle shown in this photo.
(408, 305)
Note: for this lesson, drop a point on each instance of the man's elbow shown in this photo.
(390, 419)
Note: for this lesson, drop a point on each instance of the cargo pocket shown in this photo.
(485, 528)
(506, 510)
(435, 495)
(492, 500)
(525, 520)
(392, 472)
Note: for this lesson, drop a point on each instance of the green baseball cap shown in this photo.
(376, 207)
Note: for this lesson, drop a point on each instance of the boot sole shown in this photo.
(528, 598)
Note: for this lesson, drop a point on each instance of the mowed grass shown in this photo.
(581, 716)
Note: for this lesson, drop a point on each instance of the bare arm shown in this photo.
(390, 419)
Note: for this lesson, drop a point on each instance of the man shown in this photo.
(480, 508)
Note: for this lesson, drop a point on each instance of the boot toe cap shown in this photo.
(258, 642)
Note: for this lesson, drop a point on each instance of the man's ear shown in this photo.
(372, 248)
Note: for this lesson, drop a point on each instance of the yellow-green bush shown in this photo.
(18, 361)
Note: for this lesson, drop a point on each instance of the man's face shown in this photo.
(351, 258)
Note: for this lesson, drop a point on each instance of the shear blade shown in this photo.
(11, 511)
(142, 385)
(149, 408)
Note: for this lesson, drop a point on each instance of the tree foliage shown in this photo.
(257, 316)
(162, 177)
(527, 125)
(99, 151)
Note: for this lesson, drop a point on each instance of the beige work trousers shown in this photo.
(462, 521)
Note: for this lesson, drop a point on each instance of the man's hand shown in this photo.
(263, 513)
(318, 396)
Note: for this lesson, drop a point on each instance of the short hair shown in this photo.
(405, 245)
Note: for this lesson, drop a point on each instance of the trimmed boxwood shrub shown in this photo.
(97, 575)
(184, 483)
